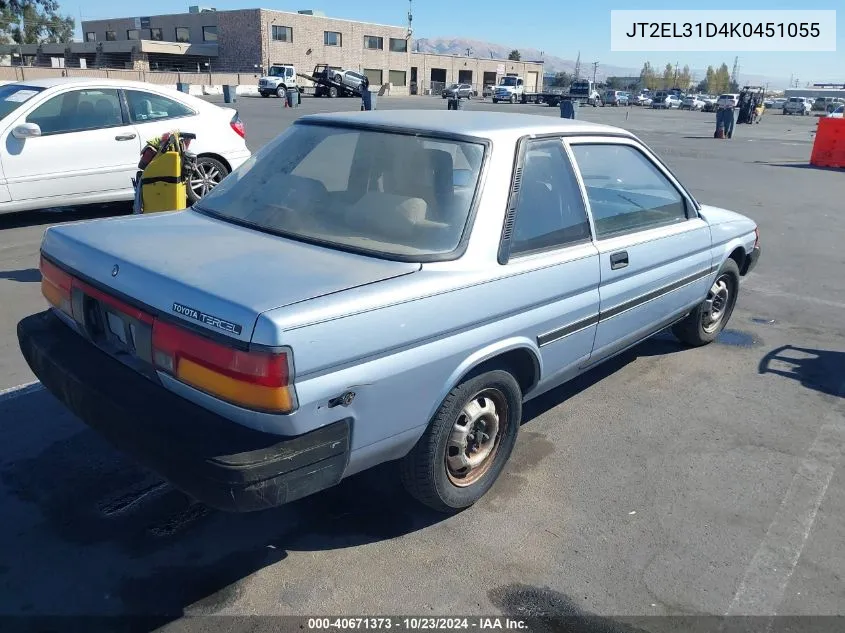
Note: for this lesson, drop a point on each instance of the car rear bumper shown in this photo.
(222, 464)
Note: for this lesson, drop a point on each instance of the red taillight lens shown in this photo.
(238, 126)
(55, 286)
(256, 380)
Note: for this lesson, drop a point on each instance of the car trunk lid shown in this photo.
(206, 272)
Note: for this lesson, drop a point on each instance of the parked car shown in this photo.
(352, 79)
(693, 102)
(797, 105)
(642, 99)
(710, 103)
(248, 386)
(73, 141)
(615, 98)
(487, 91)
(837, 113)
(461, 91)
(666, 100)
(728, 100)
(777, 104)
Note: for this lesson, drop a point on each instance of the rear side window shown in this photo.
(550, 211)
(627, 192)
(77, 111)
(146, 106)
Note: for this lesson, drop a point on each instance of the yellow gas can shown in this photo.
(162, 185)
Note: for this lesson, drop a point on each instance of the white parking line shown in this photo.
(21, 390)
(764, 584)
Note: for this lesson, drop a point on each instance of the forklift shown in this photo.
(750, 105)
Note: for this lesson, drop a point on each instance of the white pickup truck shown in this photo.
(798, 105)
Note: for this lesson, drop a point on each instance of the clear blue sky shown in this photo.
(557, 27)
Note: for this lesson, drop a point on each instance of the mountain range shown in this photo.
(555, 64)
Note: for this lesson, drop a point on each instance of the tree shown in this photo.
(703, 87)
(514, 56)
(34, 22)
(668, 76)
(562, 80)
(723, 79)
(648, 78)
(684, 78)
(710, 78)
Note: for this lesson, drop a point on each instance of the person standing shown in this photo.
(567, 109)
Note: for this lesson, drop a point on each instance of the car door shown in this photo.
(547, 245)
(654, 248)
(86, 148)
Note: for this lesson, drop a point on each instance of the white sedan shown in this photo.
(73, 141)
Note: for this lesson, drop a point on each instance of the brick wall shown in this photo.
(239, 44)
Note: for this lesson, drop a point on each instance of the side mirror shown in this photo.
(27, 130)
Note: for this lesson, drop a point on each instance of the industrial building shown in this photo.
(248, 40)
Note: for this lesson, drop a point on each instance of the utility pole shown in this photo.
(577, 71)
(735, 72)
(595, 69)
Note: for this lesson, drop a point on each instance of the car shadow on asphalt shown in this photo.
(26, 275)
(660, 344)
(819, 370)
(803, 165)
(41, 217)
(154, 552)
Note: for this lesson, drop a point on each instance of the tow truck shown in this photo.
(326, 85)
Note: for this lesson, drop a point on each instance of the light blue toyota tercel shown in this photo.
(376, 286)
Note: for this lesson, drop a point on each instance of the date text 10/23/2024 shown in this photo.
(723, 31)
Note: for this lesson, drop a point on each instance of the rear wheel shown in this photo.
(710, 317)
(467, 444)
(332, 92)
(207, 175)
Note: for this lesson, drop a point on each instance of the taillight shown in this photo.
(255, 380)
(55, 286)
(238, 126)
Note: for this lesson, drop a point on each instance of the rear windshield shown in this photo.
(13, 96)
(379, 192)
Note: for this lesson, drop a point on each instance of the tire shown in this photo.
(332, 92)
(427, 473)
(495, 101)
(280, 92)
(210, 172)
(698, 328)
(513, 99)
(265, 94)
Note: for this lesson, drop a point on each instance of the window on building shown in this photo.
(637, 198)
(183, 34)
(282, 33)
(397, 77)
(90, 36)
(398, 45)
(332, 38)
(374, 75)
(78, 110)
(209, 34)
(133, 34)
(146, 106)
(373, 42)
(550, 210)
(111, 36)
(156, 35)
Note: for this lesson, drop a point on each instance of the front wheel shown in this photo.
(207, 175)
(467, 444)
(280, 92)
(710, 317)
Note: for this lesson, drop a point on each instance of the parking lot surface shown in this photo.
(668, 481)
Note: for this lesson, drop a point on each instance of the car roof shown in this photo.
(53, 82)
(480, 123)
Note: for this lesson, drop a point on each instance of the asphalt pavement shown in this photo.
(668, 482)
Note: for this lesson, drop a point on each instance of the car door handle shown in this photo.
(125, 137)
(618, 260)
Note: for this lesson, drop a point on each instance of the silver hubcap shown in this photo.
(206, 177)
(474, 440)
(715, 305)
